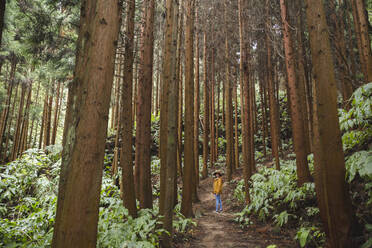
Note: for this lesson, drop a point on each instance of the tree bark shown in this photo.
(143, 113)
(169, 96)
(17, 135)
(187, 191)
(206, 111)
(298, 132)
(365, 52)
(56, 110)
(126, 127)
(274, 112)
(86, 123)
(332, 193)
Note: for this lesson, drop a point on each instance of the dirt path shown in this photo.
(216, 230)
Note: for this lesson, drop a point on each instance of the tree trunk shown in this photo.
(236, 141)
(212, 114)
(228, 106)
(187, 191)
(169, 97)
(85, 130)
(274, 112)
(2, 12)
(333, 198)
(365, 51)
(43, 120)
(17, 135)
(298, 132)
(196, 109)
(143, 113)
(206, 112)
(5, 112)
(126, 121)
(56, 110)
(24, 129)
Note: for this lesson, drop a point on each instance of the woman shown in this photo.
(217, 189)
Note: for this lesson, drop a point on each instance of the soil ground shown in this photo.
(219, 229)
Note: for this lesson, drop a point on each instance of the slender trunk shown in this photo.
(17, 135)
(188, 177)
(43, 119)
(56, 110)
(298, 132)
(206, 112)
(274, 118)
(228, 106)
(212, 113)
(332, 193)
(86, 126)
(170, 91)
(30, 139)
(196, 108)
(143, 113)
(8, 126)
(5, 112)
(126, 120)
(180, 94)
(2, 12)
(217, 121)
(365, 51)
(24, 129)
(236, 140)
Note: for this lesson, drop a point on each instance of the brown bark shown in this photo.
(56, 110)
(196, 108)
(170, 78)
(2, 12)
(331, 189)
(126, 120)
(298, 132)
(9, 125)
(206, 111)
(365, 52)
(212, 113)
(43, 120)
(86, 126)
(31, 137)
(17, 134)
(179, 72)
(243, 69)
(5, 112)
(188, 177)
(274, 114)
(143, 113)
(228, 105)
(236, 140)
(24, 128)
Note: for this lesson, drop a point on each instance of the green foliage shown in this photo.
(359, 163)
(275, 194)
(28, 195)
(27, 200)
(310, 235)
(356, 123)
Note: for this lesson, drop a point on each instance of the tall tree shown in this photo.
(299, 135)
(274, 112)
(332, 193)
(228, 105)
(126, 127)
(86, 126)
(143, 113)
(186, 204)
(170, 78)
(206, 111)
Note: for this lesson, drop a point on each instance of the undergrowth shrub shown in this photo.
(28, 198)
(276, 196)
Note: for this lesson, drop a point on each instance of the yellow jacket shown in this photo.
(217, 186)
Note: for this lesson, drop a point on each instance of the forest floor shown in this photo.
(216, 230)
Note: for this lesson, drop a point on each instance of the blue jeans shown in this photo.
(218, 203)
